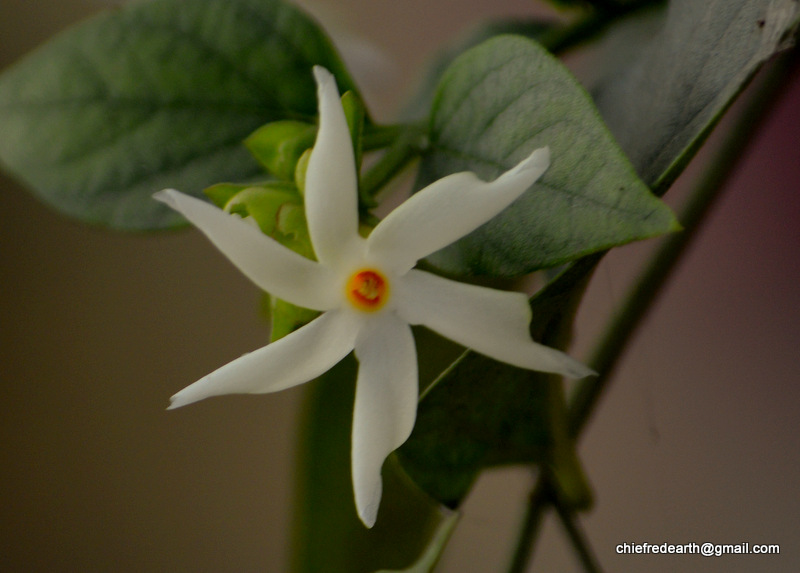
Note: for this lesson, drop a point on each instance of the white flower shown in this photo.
(370, 294)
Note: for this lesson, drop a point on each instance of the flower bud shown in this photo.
(278, 145)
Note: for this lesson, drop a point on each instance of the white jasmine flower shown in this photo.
(370, 294)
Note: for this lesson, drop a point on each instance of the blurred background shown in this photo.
(696, 441)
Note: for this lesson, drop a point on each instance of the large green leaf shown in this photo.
(480, 413)
(665, 100)
(496, 104)
(445, 459)
(153, 95)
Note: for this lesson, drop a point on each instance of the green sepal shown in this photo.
(277, 146)
(286, 317)
(221, 193)
(292, 229)
(276, 207)
(300, 172)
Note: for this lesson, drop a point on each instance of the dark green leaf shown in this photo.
(153, 95)
(666, 99)
(482, 413)
(420, 454)
(496, 104)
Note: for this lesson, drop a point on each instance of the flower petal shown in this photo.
(447, 210)
(292, 360)
(331, 193)
(491, 322)
(386, 404)
(273, 267)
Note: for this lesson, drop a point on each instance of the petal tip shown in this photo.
(180, 400)
(527, 171)
(576, 370)
(322, 75)
(166, 196)
(539, 159)
(368, 515)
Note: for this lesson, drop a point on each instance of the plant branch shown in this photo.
(578, 539)
(380, 136)
(405, 146)
(559, 40)
(537, 502)
(652, 280)
(647, 288)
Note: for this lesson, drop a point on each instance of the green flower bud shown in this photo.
(278, 145)
(300, 172)
(285, 317)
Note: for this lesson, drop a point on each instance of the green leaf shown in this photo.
(482, 413)
(553, 301)
(327, 533)
(663, 104)
(153, 95)
(420, 105)
(496, 104)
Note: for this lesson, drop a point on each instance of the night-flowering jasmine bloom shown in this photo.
(370, 294)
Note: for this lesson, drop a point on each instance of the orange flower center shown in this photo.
(367, 290)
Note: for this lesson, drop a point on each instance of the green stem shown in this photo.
(380, 136)
(559, 40)
(652, 280)
(406, 145)
(578, 539)
(537, 502)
